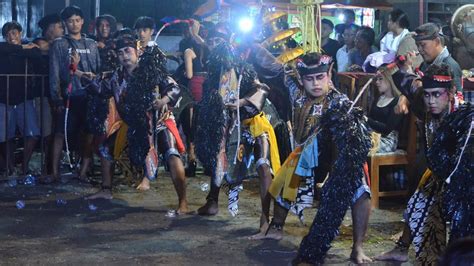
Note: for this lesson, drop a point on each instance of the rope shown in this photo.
(72, 70)
(360, 93)
(171, 23)
(238, 117)
(448, 180)
(311, 38)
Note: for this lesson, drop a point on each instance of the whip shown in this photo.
(72, 70)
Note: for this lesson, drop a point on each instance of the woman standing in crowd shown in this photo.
(399, 40)
(194, 56)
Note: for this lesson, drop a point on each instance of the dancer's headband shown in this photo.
(437, 81)
(321, 67)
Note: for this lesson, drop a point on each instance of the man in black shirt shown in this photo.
(329, 45)
(18, 106)
(73, 49)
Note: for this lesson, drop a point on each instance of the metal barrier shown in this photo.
(26, 115)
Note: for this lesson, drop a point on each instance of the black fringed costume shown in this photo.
(150, 81)
(211, 119)
(458, 196)
(216, 121)
(435, 202)
(97, 103)
(351, 138)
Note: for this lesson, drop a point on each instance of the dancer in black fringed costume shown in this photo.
(323, 128)
(446, 191)
(142, 91)
(222, 107)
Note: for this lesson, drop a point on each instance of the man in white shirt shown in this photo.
(342, 55)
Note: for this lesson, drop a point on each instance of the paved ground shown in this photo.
(133, 228)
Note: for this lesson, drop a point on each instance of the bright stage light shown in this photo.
(245, 24)
(341, 17)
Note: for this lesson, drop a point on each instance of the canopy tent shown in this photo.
(285, 5)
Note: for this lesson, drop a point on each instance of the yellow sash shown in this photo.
(426, 176)
(258, 125)
(120, 140)
(285, 180)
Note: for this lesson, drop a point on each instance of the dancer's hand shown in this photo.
(75, 58)
(100, 45)
(158, 104)
(402, 105)
(236, 104)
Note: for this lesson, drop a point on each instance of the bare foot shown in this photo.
(396, 236)
(183, 209)
(144, 185)
(395, 254)
(359, 257)
(102, 194)
(261, 233)
(271, 233)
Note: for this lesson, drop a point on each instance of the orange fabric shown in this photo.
(113, 121)
(171, 125)
(366, 172)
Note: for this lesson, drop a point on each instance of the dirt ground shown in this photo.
(134, 228)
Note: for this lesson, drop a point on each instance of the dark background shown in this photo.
(29, 12)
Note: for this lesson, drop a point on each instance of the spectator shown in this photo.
(382, 118)
(364, 41)
(329, 45)
(349, 19)
(105, 27)
(52, 28)
(195, 72)
(342, 54)
(144, 28)
(399, 39)
(81, 51)
(431, 46)
(19, 105)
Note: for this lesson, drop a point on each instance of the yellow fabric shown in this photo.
(258, 125)
(426, 176)
(120, 140)
(285, 181)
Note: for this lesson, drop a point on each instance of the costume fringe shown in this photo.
(458, 195)
(150, 72)
(352, 140)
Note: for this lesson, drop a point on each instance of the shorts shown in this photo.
(195, 84)
(364, 188)
(167, 145)
(42, 106)
(16, 118)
